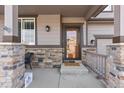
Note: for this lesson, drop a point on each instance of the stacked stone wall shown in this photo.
(53, 54)
(115, 69)
(12, 67)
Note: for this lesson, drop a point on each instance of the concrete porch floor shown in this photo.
(51, 78)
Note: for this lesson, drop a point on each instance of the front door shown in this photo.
(72, 43)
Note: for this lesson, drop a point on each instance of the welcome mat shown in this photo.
(71, 64)
(73, 68)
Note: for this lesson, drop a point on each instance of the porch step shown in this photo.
(81, 69)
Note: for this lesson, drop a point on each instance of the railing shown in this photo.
(97, 62)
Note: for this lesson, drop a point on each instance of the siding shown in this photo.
(73, 20)
(101, 45)
(99, 29)
(105, 15)
(1, 27)
(52, 37)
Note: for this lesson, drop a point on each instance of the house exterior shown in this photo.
(56, 34)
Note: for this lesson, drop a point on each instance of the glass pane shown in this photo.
(32, 25)
(19, 25)
(108, 8)
(28, 24)
(71, 43)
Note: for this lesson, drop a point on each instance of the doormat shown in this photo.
(71, 64)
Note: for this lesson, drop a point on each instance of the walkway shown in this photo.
(51, 78)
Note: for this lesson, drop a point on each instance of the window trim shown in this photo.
(33, 18)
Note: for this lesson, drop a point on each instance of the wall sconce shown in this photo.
(47, 28)
(92, 42)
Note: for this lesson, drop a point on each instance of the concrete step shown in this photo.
(73, 69)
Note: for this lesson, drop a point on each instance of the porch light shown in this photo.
(92, 41)
(47, 28)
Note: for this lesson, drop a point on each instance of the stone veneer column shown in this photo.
(12, 52)
(12, 66)
(115, 76)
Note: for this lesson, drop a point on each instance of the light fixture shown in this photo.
(92, 41)
(47, 28)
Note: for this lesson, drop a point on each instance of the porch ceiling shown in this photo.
(64, 10)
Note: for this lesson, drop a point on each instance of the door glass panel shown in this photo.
(71, 43)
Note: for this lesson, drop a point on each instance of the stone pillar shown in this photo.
(12, 67)
(116, 50)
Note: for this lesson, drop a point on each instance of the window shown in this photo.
(28, 24)
(108, 8)
(27, 30)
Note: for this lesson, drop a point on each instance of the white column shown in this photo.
(85, 33)
(118, 24)
(10, 21)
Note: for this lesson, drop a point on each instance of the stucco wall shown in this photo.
(99, 29)
(52, 37)
(1, 26)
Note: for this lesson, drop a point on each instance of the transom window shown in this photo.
(27, 30)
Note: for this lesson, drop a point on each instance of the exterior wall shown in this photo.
(52, 37)
(77, 20)
(1, 27)
(115, 65)
(101, 45)
(53, 54)
(99, 29)
(73, 20)
(12, 67)
(106, 15)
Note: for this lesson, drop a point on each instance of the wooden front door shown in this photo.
(72, 43)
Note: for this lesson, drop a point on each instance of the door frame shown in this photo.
(80, 38)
